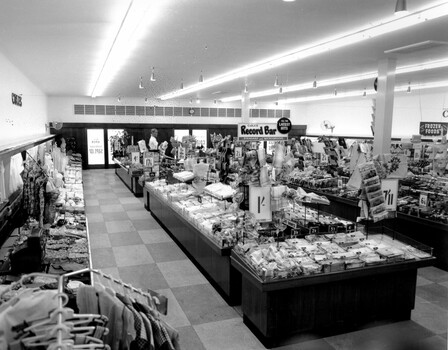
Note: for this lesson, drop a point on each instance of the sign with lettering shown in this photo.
(95, 146)
(260, 132)
(284, 125)
(390, 191)
(423, 199)
(260, 203)
(433, 129)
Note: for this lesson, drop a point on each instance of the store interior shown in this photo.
(357, 179)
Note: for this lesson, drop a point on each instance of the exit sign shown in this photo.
(16, 99)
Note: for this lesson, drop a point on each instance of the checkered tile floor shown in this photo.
(128, 243)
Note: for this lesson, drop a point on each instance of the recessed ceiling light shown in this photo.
(289, 0)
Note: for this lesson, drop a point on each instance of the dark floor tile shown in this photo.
(119, 226)
(107, 195)
(166, 251)
(103, 257)
(189, 339)
(141, 214)
(317, 344)
(107, 201)
(201, 303)
(388, 337)
(434, 293)
(143, 276)
(147, 224)
(433, 274)
(115, 216)
(125, 238)
(97, 227)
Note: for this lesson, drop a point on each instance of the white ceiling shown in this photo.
(59, 44)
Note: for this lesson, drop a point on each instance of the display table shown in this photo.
(207, 254)
(129, 179)
(327, 303)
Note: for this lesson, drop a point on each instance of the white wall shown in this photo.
(353, 117)
(19, 122)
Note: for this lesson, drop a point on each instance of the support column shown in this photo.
(384, 106)
(245, 107)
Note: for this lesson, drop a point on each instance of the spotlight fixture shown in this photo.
(289, 0)
(364, 94)
(401, 8)
(119, 98)
(255, 103)
(335, 92)
(276, 81)
(215, 102)
(146, 100)
(181, 85)
(408, 90)
(153, 76)
(314, 83)
(201, 78)
(198, 100)
(140, 86)
(191, 100)
(246, 90)
(280, 90)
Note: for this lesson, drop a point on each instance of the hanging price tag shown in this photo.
(350, 228)
(313, 230)
(417, 154)
(390, 191)
(238, 152)
(332, 229)
(340, 183)
(423, 200)
(323, 159)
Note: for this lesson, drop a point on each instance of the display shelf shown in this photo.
(129, 179)
(328, 303)
(212, 259)
(9, 150)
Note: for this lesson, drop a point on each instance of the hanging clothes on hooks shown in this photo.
(36, 318)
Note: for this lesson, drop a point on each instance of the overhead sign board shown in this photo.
(433, 129)
(260, 132)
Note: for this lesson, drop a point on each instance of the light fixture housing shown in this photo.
(401, 8)
(198, 100)
(280, 90)
(153, 76)
(323, 46)
(276, 81)
(119, 98)
(201, 77)
(364, 94)
(146, 100)
(246, 90)
(181, 85)
(408, 90)
(315, 83)
(140, 86)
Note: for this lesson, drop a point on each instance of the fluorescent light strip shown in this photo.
(342, 80)
(360, 93)
(140, 14)
(374, 30)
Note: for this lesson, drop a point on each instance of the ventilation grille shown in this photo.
(159, 111)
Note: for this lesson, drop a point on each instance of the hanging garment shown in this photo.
(3, 196)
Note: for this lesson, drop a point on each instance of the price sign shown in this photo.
(332, 229)
(135, 156)
(295, 232)
(260, 203)
(323, 159)
(314, 230)
(390, 191)
(417, 154)
(238, 152)
(350, 228)
(423, 200)
(340, 183)
(181, 152)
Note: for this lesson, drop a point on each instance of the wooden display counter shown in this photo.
(207, 254)
(131, 181)
(328, 303)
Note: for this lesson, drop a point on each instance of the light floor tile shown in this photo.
(227, 334)
(130, 207)
(96, 227)
(430, 316)
(154, 236)
(181, 273)
(189, 339)
(147, 224)
(119, 226)
(95, 217)
(141, 214)
(91, 201)
(421, 281)
(202, 304)
(111, 208)
(107, 195)
(132, 255)
(175, 316)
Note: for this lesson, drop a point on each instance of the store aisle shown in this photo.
(129, 244)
